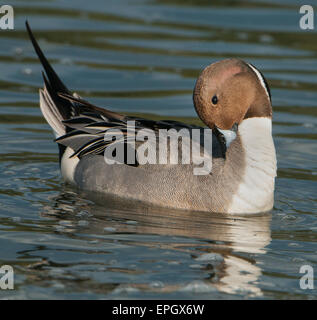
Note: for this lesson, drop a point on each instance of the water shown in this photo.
(144, 56)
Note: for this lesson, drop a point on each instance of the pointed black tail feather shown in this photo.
(53, 82)
(60, 109)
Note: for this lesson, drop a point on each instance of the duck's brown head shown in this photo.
(229, 91)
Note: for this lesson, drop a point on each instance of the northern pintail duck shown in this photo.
(231, 97)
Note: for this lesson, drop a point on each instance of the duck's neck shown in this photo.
(256, 187)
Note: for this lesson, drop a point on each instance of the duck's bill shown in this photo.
(227, 136)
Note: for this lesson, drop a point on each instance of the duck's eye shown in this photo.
(214, 100)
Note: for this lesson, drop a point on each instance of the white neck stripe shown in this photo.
(260, 77)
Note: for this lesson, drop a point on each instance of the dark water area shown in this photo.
(143, 56)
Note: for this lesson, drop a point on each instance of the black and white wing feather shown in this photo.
(81, 126)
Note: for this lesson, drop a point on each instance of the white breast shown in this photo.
(256, 190)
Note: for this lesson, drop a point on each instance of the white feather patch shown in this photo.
(68, 165)
(51, 113)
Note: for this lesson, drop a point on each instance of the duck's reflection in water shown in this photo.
(230, 241)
